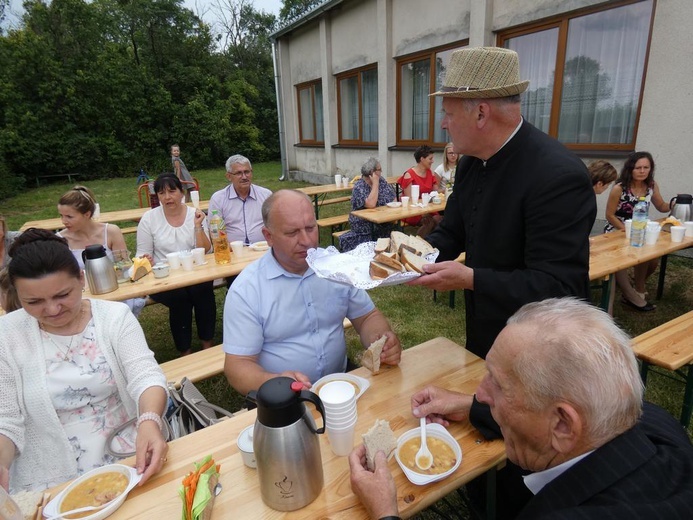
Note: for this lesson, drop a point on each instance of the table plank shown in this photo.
(180, 278)
(121, 215)
(668, 345)
(385, 214)
(438, 361)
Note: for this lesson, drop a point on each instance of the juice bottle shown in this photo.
(217, 230)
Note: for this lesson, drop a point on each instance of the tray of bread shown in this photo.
(389, 261)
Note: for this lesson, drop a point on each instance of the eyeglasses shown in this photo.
(246, 173)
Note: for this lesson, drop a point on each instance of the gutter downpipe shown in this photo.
(280, 107)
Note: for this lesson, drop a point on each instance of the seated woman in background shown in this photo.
(8, 296)
(72, 371)
(636, 180)
(169, 228)
(445, 172)
(369, 191)
(76, 208)
(422, 176)
(6, 239)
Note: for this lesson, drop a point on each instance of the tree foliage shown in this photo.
(103, 88)
(294, 8)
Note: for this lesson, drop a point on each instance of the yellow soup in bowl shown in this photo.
(443, 455)
(95, 491)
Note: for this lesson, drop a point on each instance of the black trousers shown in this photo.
(181, 303)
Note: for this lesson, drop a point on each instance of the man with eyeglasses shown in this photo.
(240, 203)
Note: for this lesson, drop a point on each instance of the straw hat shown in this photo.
(481, 73)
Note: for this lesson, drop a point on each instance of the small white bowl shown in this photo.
(260, 246)
(437, 431)
(245, 446)
(361, 383)
(160, 270)
(53, 507)
(394, 204)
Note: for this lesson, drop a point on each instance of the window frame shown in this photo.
(358, 73)
(419, 56)
(308, 85)
(562, 23)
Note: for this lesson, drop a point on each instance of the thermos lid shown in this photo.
(684, 198)
(94, 251)
(279, 403)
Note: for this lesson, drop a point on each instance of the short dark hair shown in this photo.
(39, 252)
(167, 180)
(422, 151)
(602, 171)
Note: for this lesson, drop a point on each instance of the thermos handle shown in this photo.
(671, 203)
(84, 256)
(307, 395)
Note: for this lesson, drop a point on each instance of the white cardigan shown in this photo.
(27, 417)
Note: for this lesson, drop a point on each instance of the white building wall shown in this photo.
(356, 30)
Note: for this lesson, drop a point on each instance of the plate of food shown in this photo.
(389, 261)
(106, 487)
(394, 204)
(260, 246)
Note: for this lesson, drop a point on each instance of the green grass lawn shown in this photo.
(411, 310)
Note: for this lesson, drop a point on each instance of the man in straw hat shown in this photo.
(565, 393)
(522, 206)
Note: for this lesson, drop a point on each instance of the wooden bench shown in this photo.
(202, 364)
(335, 200)
(56, 175)
(670, 347)
(334, 223)
(127, 230)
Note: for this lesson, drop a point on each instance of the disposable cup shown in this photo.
(341, 414)
(651, 235)
(341, 425)
(198, 255)
(414, 194)
(336, 393)
(331, 418)
(689, 228)
(628, 223)
(405, 202)
(173, 260)
(677, 233)
(237, 248)
(186, 260)
(425, 199)
(341, 440)
(345, 182)
(338, 180)
(195, 198)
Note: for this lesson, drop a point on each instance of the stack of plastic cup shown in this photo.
(339, 400)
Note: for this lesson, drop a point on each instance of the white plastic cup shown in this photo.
(245, 446)
(628, 224)
(677, 233)
(414, 194)
(335, 394)
(173, 260)
(338, 180)
(97, 211)
(186, 260)
(237, 248)
(689, 228)
(652, 233)
(341, 440)
(195, 198)
(405, 202)
(425, 199)
(345, 182)
(198, 255)
(340, 423)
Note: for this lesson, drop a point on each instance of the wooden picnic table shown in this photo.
(385, 214)
(388, 398)
(319, 192)
(121, 215)
(179, 277)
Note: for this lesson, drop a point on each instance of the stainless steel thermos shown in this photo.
(285, 441)
(99, 270)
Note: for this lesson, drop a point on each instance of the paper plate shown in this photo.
(259, 246)
(394, 204)
(360, 383)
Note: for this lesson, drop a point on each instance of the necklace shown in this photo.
(64, 350)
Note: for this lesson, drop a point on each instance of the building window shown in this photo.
(357, 99)
(419, 116)
(310, 120)
(586, 73)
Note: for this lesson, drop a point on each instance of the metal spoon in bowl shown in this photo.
(424, 458)
(79, 510)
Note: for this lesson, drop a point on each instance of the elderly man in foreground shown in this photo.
(240, 203)
(564, 392)
(280, 318)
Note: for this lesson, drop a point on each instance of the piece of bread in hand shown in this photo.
(413, 262)
(420, 246)
(371, 356)
(379, 437)
(380, 271)
(382, 245)
(397, 238)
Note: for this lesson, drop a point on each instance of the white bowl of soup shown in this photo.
(446, 451)
(108, 485)
(360, 384)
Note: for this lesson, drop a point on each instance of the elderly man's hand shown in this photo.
(392, 351)
(441, 406)
(376, 489)
(298, 376)
(446, 276)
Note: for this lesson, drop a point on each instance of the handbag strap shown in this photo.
(121, 455)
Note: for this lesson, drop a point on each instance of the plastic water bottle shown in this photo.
(637, 230)
(217, 230)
